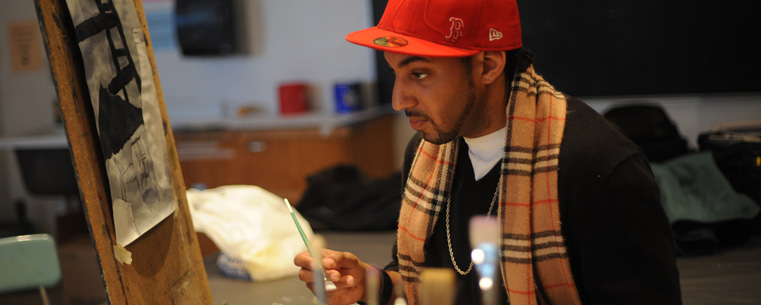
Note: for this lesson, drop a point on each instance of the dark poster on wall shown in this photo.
(623, 48)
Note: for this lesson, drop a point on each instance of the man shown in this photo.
(577, 203)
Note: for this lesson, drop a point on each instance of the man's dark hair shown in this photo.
(517, 60)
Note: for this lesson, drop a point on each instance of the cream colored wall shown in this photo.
(287, 41)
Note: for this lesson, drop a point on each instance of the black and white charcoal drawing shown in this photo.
(128, 118)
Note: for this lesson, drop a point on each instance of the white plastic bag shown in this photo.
(251, 225)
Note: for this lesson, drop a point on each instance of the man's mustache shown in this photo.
(416, 114)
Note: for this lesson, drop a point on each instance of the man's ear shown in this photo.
(493, 66)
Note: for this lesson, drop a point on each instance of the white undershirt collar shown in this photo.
(486, 151)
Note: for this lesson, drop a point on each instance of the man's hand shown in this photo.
(343, 268)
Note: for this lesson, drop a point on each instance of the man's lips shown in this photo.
(417, 119)
(417, 123)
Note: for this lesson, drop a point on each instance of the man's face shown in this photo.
(436, 94)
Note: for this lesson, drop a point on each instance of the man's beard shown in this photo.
(444, 136)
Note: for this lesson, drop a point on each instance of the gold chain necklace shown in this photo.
(449, 238)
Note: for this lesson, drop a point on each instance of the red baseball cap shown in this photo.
(444, 28)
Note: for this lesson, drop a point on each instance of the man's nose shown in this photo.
(401, 98)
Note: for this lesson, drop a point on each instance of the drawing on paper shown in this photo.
(125, 104)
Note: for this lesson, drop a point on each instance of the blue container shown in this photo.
(348, 97)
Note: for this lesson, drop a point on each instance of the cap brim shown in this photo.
(388, 41)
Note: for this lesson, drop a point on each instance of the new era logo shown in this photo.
(494, 35)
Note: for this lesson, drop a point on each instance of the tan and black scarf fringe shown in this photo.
(534, 259)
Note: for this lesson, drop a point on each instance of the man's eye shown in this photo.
(419, 75)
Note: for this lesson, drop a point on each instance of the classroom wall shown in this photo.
(284, 41)
(27, 92)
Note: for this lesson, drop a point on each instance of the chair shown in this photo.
(48, 171)
(28, 262)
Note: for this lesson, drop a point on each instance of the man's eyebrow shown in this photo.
(412, 59)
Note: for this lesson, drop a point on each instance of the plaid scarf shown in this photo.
(534, 262)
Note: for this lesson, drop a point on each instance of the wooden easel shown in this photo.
(167, 267)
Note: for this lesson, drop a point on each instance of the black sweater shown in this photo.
(619, 242)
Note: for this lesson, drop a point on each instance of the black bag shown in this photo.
(738, 156)
(696, 238)
(650, 127)
(343, 198)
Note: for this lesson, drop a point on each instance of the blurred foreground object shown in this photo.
(251, 226)
(29, 262)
